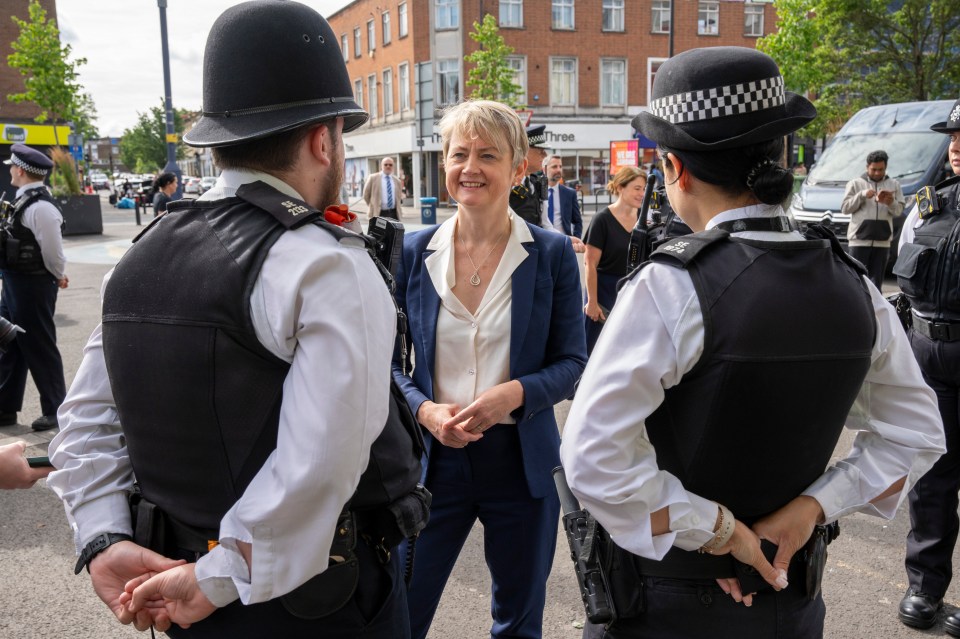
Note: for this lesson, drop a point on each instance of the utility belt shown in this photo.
(940, 331)
(324, 594)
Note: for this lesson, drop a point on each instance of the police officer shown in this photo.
(33, 270)
(927, 271)
(719, 387)
(247, 382)
(528, 198)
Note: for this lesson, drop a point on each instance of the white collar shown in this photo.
(27, 187)
(232, 179)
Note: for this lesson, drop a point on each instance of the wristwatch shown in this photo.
(96, 546)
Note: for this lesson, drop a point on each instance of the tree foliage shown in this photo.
(145, 144)
(850, 54)
(49, 76)
(491, 76)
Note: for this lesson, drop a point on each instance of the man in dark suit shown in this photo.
(563, 209)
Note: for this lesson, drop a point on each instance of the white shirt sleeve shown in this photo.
(654, 335)
(45, 220)
(331, 316)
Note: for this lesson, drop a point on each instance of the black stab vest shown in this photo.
(928, 269)
(789, 331)
(197, 394)
(526, 203)
(23, 254)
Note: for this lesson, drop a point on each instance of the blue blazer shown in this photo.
(547, 345)
(570, 216)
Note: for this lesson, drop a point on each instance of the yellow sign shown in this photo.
(172, 138)
(39, 134)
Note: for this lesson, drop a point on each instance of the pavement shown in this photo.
(40, 597)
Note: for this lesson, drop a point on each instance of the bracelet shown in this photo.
(724, 531)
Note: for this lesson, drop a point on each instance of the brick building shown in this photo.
(585, 68)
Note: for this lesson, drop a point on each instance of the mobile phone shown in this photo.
(38, 462)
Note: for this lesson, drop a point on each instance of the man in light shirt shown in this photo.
(245, 383)
(382, 192)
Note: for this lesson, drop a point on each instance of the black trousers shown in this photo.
(391, 213)
(874, 259)
(934, 523)
(378, 610)
(29, 301)
(697, 608)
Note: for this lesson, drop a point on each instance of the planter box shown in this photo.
(81, 214)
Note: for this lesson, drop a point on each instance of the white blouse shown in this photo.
(473, 349)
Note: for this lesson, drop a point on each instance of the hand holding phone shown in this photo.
(39, 462)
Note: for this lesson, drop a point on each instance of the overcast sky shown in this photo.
(121, 41)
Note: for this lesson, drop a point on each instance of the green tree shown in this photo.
(850, 54)
(491, 76)
(49, 76)
(145, 144)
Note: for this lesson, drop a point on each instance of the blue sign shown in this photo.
(77, 152)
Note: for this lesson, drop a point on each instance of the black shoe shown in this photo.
(45, 423)
(8, 419)
(951, 623)
(919, 610)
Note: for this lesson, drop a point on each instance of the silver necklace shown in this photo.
(475, 278)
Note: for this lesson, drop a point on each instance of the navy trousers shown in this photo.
(29, 301)
(485, 481)
(874, 259)
(934, 523)
(378, 610)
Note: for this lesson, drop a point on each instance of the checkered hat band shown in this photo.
(27, 167)
(735, 99)
(537, 139)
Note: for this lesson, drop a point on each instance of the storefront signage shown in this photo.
(623, 153)
(38, 134)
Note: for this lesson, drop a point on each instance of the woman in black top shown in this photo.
(164, 187)
(607, 240)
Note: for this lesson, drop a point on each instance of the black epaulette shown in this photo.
(950, 181)
(821, 232)
(679, 251)
(291, 212)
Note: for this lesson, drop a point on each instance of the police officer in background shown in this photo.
(32, 270)
(246, 383)
(529, 198)
(712, 427)
(927, 271)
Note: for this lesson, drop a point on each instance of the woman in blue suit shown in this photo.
(497, 335)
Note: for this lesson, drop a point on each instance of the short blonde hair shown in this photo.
(625, 176)
(495, 122)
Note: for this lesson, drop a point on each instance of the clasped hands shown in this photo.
(147, 589)
(789, 528)
(456, 428)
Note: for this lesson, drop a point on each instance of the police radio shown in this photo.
(639, 249)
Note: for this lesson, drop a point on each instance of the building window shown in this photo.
(752, 19)
(343, 47)
(653, 65)
(356, 42)
(448, 74)
(448, 14)
(708, 18)
(519, 66)
(371, 35)
(387, 91)
(661, 16)
(511, 13)
(385, 18)
(562, 14)
(358, 92)
(372, 96)
(403, 80)
(402, 17)
(613, 82)
(563, 82)
(613, 15)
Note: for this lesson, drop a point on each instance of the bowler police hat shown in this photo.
(270, 66)
(721, 98)
(29, 159)
(952, 123)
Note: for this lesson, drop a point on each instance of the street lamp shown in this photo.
(171, 166)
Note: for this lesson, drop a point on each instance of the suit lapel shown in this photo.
(523, 281)
(429, 310)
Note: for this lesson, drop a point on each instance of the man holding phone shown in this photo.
(872, 200)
